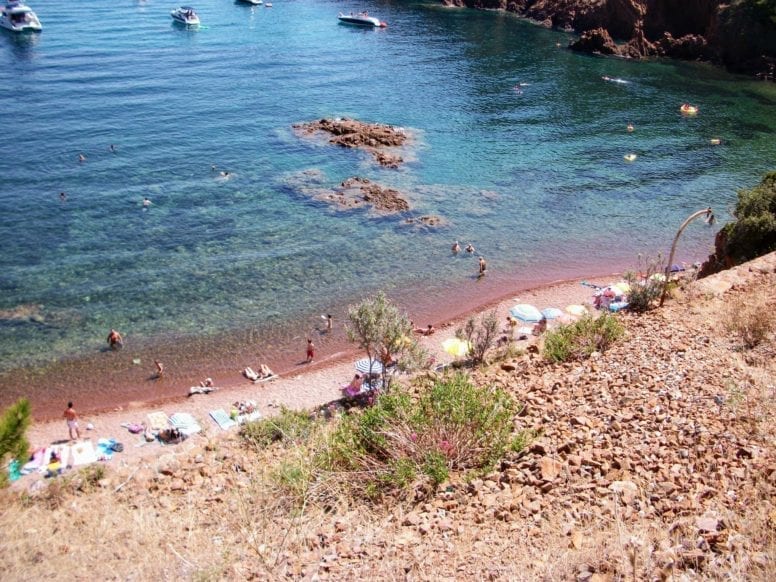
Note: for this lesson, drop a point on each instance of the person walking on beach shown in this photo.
(115, 341)
(310, 350)
(72, 421)
(159, 368)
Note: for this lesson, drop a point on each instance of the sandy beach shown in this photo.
(309, 387)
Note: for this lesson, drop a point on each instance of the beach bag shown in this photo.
(117, 447)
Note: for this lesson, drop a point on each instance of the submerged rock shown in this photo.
(350, 133)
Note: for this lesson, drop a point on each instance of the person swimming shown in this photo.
(146, 202)
(81, 158)
(470, 248)
(456, 248)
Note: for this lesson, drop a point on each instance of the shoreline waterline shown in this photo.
(107, 381)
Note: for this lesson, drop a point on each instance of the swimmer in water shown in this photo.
(112, 148)
(225, 174)
(470, 248)
(456, 248)
(81, 158)
(63, 197)
(146, 202)
(629, 128)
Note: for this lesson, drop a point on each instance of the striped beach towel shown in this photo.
(222, 419)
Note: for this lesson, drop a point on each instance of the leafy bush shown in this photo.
(481, 335)
(451, 424)
(13, 442)
(646, 286)
(288, 426)
(384, 333)
(753, 233)
(751, 321)
(581, 338)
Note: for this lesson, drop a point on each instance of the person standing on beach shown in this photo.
(310, 350)
(328, 322)
(115, 341)
(72, 421)
(483, 266)
(159, 368)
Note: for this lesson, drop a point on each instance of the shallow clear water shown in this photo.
(536, 180)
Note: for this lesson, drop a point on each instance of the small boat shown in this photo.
(629, 157)
(687, 109)
(185, 15)
(361, 19)
(252, 2)
(19, 17)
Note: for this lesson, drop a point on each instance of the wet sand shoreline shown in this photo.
(106, 381)
(300, 388)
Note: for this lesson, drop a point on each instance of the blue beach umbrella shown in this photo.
(365, 366)
(526, 313)
(551, 312)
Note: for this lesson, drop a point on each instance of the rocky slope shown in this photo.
(739, 35)
(652, 461)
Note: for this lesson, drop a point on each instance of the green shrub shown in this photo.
(581, 338)
(450, 424)
(753, 233)
(481, 335)
(289, 426)
(646, 286)
(13, 442)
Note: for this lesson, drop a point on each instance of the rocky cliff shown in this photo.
(740, 35)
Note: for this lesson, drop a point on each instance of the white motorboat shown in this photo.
(185, 15)
(19, 17)
(252, 2)
(361, 19)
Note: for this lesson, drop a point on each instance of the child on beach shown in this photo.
(310, 350)
(115, 341)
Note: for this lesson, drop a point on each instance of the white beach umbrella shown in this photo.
(525, 312)
(367, 366)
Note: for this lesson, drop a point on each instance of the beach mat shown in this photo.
(185, 423)
(222, 419)
(157, 420)
(83, 453)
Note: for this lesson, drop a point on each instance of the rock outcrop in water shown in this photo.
(740, 35)
(356, 192)
(350, 133)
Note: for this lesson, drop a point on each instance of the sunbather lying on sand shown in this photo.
(429, 330)
(263, 373)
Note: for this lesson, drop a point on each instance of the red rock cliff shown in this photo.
(739, 34)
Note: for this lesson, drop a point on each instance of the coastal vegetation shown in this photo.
(579, 340)
(480, 334)
(13, 442)
(753, 232)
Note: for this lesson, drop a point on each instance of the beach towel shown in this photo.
(250, 417)
(265, 379)
(83, 453)
(222, 419)
(157, 420)
(105, 449)
(185, 423)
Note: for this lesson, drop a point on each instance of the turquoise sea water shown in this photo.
(238, 267)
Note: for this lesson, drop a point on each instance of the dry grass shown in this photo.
(752, 318)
